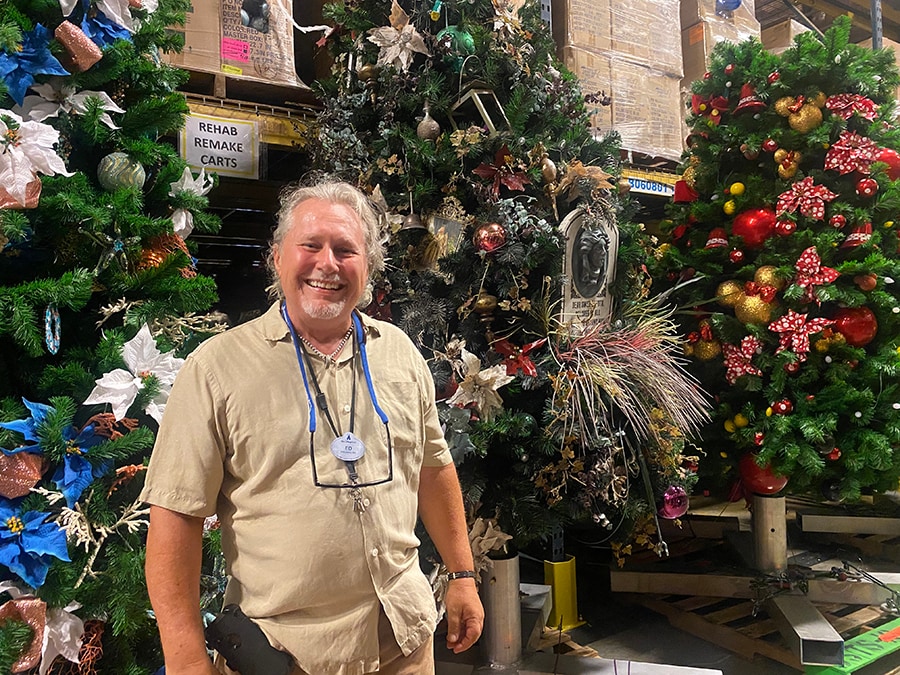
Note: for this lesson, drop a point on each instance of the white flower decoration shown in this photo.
(120, 387)
(55, 97)
(182, 219)
(26, 149)
(398, 41)
(480, 386)
(117, 11)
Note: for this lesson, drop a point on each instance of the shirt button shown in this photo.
(346, 407)
(374, 552)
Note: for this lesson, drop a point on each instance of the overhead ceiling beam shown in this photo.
(860, 14)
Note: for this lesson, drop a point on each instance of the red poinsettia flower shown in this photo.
(505, 170)
(516, 358)
(711, 107)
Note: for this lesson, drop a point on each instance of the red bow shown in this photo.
(737, 359)
(766, 293)
(851, 152)
(811, 273)
(808, 197)
(711, 107)
(504, 170)
(516, 358)
(794, 331)
(845, 105)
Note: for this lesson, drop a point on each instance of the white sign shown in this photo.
(651, 187)
(224, 146)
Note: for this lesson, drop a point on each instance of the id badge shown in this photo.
(348, 448)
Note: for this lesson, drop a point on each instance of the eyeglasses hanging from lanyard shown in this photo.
(346, 447)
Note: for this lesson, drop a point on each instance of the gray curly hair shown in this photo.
(337, 193)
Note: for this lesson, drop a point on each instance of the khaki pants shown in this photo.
(420, 662)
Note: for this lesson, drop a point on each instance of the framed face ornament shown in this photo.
(589, 267)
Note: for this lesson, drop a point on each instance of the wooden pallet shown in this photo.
(224, 86)
(731, 623)
(561, 642)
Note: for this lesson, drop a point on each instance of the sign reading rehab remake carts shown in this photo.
(589, 267)
(224, 146)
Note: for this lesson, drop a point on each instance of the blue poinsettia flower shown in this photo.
(34, 58)
(28, 427)
(101, 29)
(28, 544)
(75, 473)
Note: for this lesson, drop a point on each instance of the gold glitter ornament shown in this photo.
(783, 105)
(729, 293)
(81, 52)
(428, 129)
(806, 119)
(707, 350)
(33, 612)
(767, 275)
(786, 172)
(753, 309)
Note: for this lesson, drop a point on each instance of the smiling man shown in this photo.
(312, 433)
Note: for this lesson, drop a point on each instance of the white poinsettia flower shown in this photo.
(399, 41)
(120, 387)
(26, 149)
(63, 635)
(480, 386)
(55, 96)
(182, 219)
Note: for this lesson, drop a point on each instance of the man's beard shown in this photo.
(323, 310)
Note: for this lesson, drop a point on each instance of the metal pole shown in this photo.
(769, 533)
(502, 638)
(877, 28)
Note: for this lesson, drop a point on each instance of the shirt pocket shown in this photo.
(402, 403)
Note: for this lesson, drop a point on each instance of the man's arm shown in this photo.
(442, 512)
(174, 551)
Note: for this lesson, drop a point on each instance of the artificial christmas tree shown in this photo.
(784, 255)
(98, 302)
(513, 264)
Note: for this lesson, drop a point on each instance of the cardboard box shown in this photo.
(779, 37)
(644, 31)
(645, 103)
(201, 39)
(743, 19)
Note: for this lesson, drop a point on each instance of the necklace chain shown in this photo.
(333, 355)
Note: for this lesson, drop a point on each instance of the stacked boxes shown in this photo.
(702, 29)
(780, 37)
(631, 50)
(225, 37)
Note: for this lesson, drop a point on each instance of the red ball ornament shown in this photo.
(783, 407)
(769, 145)
(892, 159)
(754, 225)
(758, 438)
(675, 503)
(707, 75)
(773, 77)
(792, 367)
(866, 282)
(866, 187)
(858, 325)
(837, 221)
(736, 256)
(834, 455)
(489, 237)
(785, 228)
(729, 69)
(760, 479)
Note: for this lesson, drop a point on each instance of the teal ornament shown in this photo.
(118, 170)
(456, 44)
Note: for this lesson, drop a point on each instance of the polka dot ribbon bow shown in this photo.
(851, 152)
(811, 273)
(806, 196)
(738, 359)
(794, 331)
(846, 105)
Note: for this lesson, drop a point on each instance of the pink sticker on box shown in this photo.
(235, 50)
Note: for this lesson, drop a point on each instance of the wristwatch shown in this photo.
(464, 574)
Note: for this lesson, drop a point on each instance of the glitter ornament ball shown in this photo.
(489, 237)
(752, 309)
(729, 293)
(675, 503)
(118, 170)
(767, 275)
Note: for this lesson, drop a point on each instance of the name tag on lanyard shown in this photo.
(348, 448)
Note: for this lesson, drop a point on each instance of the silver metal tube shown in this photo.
(502, 635)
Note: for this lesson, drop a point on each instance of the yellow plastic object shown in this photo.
(560, 576)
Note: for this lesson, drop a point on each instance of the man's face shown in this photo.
(322, 264)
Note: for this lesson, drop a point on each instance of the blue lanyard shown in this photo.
(360, 340)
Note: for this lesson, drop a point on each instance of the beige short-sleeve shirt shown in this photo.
(301, 561)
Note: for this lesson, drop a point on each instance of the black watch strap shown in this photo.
(464, 574)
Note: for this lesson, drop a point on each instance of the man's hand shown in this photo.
(465, 615)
